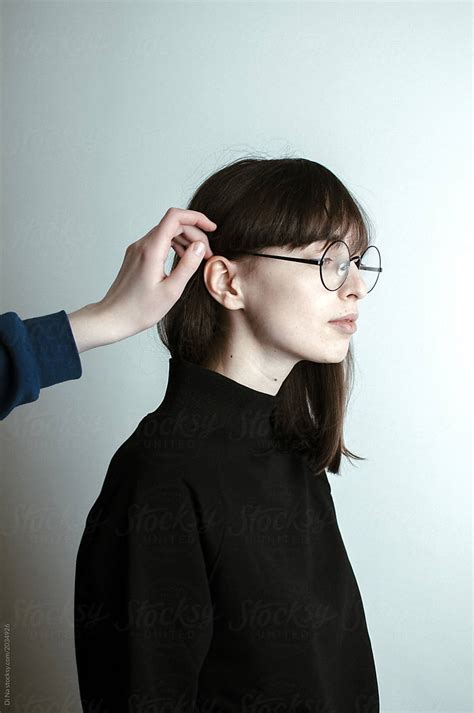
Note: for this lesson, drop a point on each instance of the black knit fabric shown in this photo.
(211, 575)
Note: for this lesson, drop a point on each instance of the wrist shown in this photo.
(90, 327)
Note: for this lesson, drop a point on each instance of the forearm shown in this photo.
(91, 327)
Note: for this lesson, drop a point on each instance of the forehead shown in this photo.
(318, 246)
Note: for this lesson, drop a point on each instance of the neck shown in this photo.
(259, 371)
(206, 400)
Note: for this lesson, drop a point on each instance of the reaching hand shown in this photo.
(142, 293)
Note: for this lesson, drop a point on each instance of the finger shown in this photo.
(190, 217)
(172, 224)
(178, 241)
(182, 242)
(185, 268)
(189, 233)
(178, 248)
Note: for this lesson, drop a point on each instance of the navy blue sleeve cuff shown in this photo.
(34, 353)
(55, 350)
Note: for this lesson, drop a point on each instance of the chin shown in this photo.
(326, 358)
(336, 360)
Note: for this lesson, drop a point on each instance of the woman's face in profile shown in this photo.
(284, 305)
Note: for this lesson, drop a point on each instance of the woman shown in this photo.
(212, 574)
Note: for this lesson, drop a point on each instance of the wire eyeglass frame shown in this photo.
(319, 261)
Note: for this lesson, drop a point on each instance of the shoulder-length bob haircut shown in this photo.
(260, 202)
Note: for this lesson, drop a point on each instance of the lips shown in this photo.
(352, 317)
(348, 326)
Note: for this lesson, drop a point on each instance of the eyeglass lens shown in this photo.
(336, 265)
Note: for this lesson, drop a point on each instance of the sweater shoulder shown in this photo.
(152, 472)
(155, 455)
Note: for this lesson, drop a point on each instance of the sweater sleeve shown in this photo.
(143, 611)
(34, 353)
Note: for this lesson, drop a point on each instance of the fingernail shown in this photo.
(198, 248)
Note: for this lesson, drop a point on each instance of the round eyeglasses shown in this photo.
(334, 265)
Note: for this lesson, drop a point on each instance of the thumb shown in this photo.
(187, 265)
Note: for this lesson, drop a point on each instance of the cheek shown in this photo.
(291, 306)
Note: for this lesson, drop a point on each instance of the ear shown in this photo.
(223, 282)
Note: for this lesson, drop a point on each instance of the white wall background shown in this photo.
(111, 113)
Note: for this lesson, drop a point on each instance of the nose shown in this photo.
(354, 284)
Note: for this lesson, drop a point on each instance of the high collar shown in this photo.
(213, 401)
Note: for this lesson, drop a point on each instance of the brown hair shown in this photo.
(259, 202)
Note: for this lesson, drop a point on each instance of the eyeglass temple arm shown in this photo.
(311, 261)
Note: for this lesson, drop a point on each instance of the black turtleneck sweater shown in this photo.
(211, 575)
